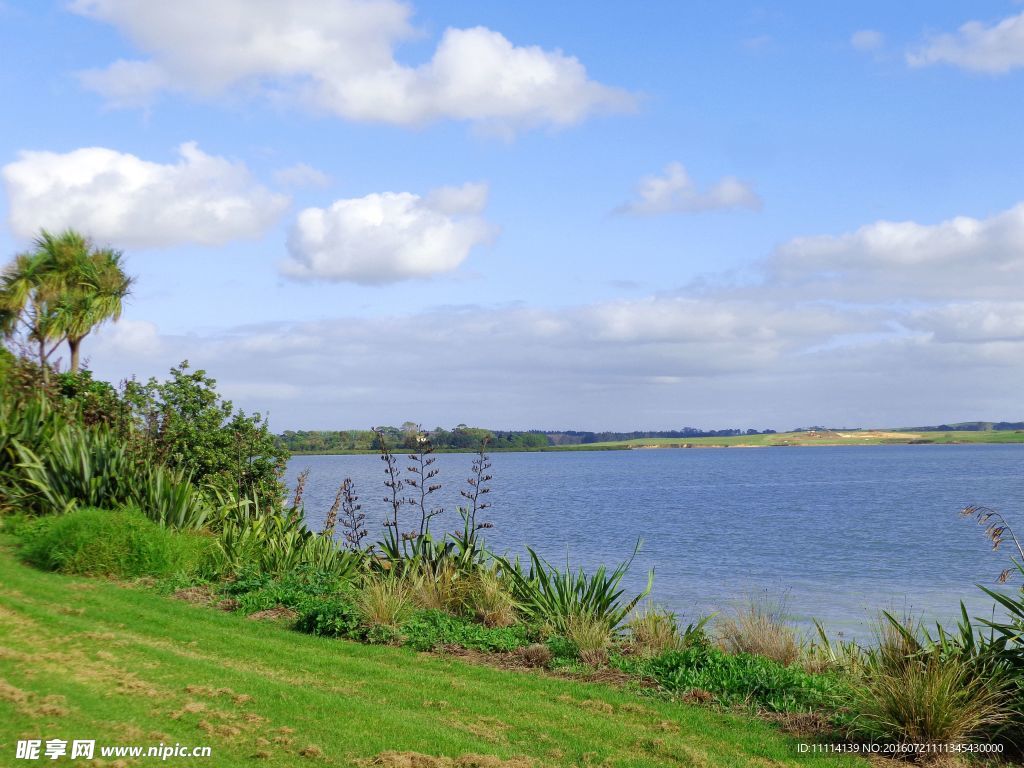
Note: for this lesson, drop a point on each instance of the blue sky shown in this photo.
(525, 215)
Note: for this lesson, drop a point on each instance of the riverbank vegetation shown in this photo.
(167, 488)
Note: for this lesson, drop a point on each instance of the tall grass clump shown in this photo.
(489, 599)
(591, 635)
(909, 690)
(384, 601)
(120, 543)
(653, 631)
(438, 586)
(276, 540)
(759, 628)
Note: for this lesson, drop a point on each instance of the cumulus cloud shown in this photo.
(387, 237)
(893, 260)
(119, 198)
(992, 48)
(867, 39)
(675, 192)
(338, 56)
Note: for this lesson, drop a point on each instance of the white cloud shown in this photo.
(119, 198)
(338, 56)
(981, 321)
(675, 192)
(867, 39)
(905, 260)
(976, 46)
(658, 362)
(387, 237)
(499, 366)
(127, 84)
(301, 175)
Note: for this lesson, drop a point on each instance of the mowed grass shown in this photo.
(865, 437)
(87, 658)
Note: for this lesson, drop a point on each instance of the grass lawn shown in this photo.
(86, 658)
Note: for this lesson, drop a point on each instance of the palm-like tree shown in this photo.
(61, 291)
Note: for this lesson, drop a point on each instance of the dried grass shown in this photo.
(760, 628)
(591, 636)
(385, 602)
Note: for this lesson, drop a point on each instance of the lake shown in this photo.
(836, 532)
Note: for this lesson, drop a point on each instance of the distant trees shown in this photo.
(461, 437)
(60, 291)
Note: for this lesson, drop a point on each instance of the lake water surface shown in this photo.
(839, 532)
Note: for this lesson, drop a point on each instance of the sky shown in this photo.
(531, 215)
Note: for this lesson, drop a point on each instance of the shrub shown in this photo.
(562, 648)
(185, 424)
(759, 628)
(331, 617)
(79, 466)
(384, 601)
(547, 595)
(298, 589)
(740, 679)
(428, 630)
(122, 543)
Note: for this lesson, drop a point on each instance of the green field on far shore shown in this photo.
(829, 437)
(780, 439)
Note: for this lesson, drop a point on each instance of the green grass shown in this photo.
(87, 658)
(864, 437)
(122, 543)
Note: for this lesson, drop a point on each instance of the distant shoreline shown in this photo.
(782, 440)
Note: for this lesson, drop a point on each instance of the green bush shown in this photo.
(187, 426)
(122, 543)
(332, 617)
(428, 630)
(300, 589)
(562, 648)
(742, 679)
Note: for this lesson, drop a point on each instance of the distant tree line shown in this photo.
(975, 426)
(462, 437)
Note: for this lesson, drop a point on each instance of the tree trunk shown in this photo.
(75, 344)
